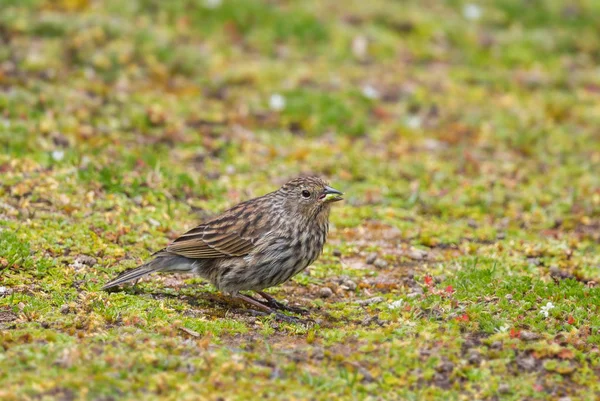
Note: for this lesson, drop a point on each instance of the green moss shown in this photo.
(467, 150)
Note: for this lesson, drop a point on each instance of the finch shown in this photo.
(257, 244)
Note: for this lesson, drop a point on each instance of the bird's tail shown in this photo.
(163, 262)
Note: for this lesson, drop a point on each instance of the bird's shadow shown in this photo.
(198, 299)
(216, 304)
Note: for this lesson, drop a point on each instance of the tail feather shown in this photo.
(161, 263)
(129, 275)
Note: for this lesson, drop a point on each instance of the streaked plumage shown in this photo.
(257, 244)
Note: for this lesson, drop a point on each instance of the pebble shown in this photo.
(496, 345)
(555, 271)
(503, 388)
(367, 377)
(325, 292)
(475, 358)
(527, 363)
(348, 285)
(368, 320)
(371, 258)
(337, 253)
(83, 261)
(508, 296)
(86, 260)
(529, 336)
(380, 264)
(445, 367)
(4, 291)
(417, 254)
(64, 309)
(370, 301)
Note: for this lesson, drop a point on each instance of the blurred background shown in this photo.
(464, 132)
(433, 103)
(481, 111)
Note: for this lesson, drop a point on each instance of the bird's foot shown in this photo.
(266, 310)
(275, 304)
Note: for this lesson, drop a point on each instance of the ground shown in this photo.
(463, 263)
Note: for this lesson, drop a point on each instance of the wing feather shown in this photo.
(218, 238)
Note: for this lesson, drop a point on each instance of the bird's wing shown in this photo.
(225, 236)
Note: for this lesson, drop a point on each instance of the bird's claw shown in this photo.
(272, 303)
(278, 305)
(288, 319)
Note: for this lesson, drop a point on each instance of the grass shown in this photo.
(464, 135)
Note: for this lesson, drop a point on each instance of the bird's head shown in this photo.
(309, 197)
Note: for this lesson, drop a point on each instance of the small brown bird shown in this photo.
(255, 245)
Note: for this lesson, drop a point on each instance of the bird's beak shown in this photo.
(331, 195)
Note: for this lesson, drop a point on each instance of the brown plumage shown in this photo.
(257, 244)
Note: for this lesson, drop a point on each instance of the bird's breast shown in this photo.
(309, 241)
(278, 255)
(294, 243)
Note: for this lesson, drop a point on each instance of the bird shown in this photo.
(255, 245)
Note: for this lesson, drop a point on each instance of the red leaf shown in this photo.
(515, 333)
(450, 289)
(462, 318)
(570, 320)
(428, 281)
(566, 354)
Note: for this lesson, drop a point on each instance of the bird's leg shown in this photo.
(255, 303)
(265, 308)
(272, 302)
(134, 286)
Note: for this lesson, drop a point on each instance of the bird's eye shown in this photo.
(305, 194)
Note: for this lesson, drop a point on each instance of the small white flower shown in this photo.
(58, 155)
(546, 309)
(396, 304)
(276, 102)
(413, 122)
(472, 11)
(212, 4)
(85, 161)
(503, 329)
(370, 92)
(360, 45)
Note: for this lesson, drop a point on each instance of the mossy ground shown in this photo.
(464, 134)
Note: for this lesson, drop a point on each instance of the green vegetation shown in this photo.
(463, 264)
